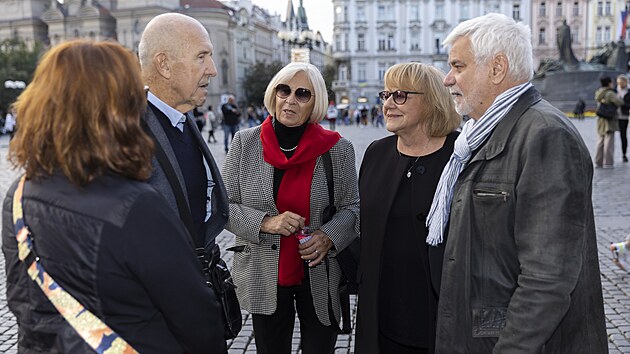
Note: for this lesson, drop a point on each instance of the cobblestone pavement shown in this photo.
(611, 199)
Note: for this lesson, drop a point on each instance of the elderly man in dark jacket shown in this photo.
(520, 272)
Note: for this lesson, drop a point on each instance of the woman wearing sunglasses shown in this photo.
(400, 274)
(276, 183)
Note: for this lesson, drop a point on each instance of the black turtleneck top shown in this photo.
(288, 138)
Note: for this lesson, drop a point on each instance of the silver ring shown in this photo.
(290, 228)
(316, 251)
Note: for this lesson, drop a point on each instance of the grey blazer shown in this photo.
(158, 179)
(249, 182)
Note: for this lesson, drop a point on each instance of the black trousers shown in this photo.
(273, 333)
(623, 128)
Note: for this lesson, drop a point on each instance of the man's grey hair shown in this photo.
(494, 34)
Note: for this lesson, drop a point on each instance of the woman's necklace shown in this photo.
(410, 167)
(424, 149)
(287, 150)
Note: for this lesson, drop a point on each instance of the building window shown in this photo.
(361, 72)
(361, 14)
(439, 11)
(414, 13)
(542, 10)
(415, 40)
(346, 41)
(541, 36)
(576, 9)
(598, 36)
(390, 41)
(559, 9)
(360, 42)
(343, 72)
(382, 41)
(627, 5)
(338, 42)
(600, 8)
(516, 12)
(575, 35)
(381, 12)
(382, 67)
(464, 12)
(345, 14)
(607, 9)
(224, 72)
(607, 37)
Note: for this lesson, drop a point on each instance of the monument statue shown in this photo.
(564, 46)
(565, 80)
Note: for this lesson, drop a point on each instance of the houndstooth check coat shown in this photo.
(249, 183)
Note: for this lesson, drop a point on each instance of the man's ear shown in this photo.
(499, 68)
(162, 65)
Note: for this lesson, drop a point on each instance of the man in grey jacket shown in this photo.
(520, 272)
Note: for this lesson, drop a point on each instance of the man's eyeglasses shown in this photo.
(400, 97)
(302, 95)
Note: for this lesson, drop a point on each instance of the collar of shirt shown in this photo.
(175, 117)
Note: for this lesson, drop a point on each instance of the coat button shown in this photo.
(274, 247)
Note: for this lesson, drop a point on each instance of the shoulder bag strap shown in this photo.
(327, 160)
(94, 332)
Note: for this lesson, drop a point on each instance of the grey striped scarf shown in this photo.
(473, 134)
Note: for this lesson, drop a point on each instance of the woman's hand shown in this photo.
(284, 224)
(315, 249)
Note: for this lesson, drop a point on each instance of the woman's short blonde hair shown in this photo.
(81, 115)
(420, 77)
(314, 77)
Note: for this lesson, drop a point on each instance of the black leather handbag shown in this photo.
(606, 111)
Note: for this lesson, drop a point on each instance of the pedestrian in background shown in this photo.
(520, 272)
(281, 195)
(211, 120)
(400, 274)
(331, 116)
(624, 95)
(231, 120)
(106, 237)
(606, 128)
(10, 122)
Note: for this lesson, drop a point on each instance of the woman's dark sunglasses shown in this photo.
(302, 95)
(400, 97)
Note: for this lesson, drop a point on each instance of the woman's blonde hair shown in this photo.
(81, 115)
(420, 77)
(314, 77)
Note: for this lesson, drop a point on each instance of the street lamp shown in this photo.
(301, 44)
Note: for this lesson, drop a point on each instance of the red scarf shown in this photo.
(295, 188)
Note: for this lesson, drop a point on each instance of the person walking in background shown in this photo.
(606, 128)
(9, 122)
(252, 117)
(331, 116)
(231, 120)
(285, 246)
(175, 54)
(400, 279)
(108, 239)
(624, 95)
(211, 120)
(578, 112)
(514, 206)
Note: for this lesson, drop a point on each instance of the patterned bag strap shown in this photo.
(94, 331)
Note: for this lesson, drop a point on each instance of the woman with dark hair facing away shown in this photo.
(102, 235)
(400, 273)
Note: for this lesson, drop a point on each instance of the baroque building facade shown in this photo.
(242, 33)
(369, 36)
